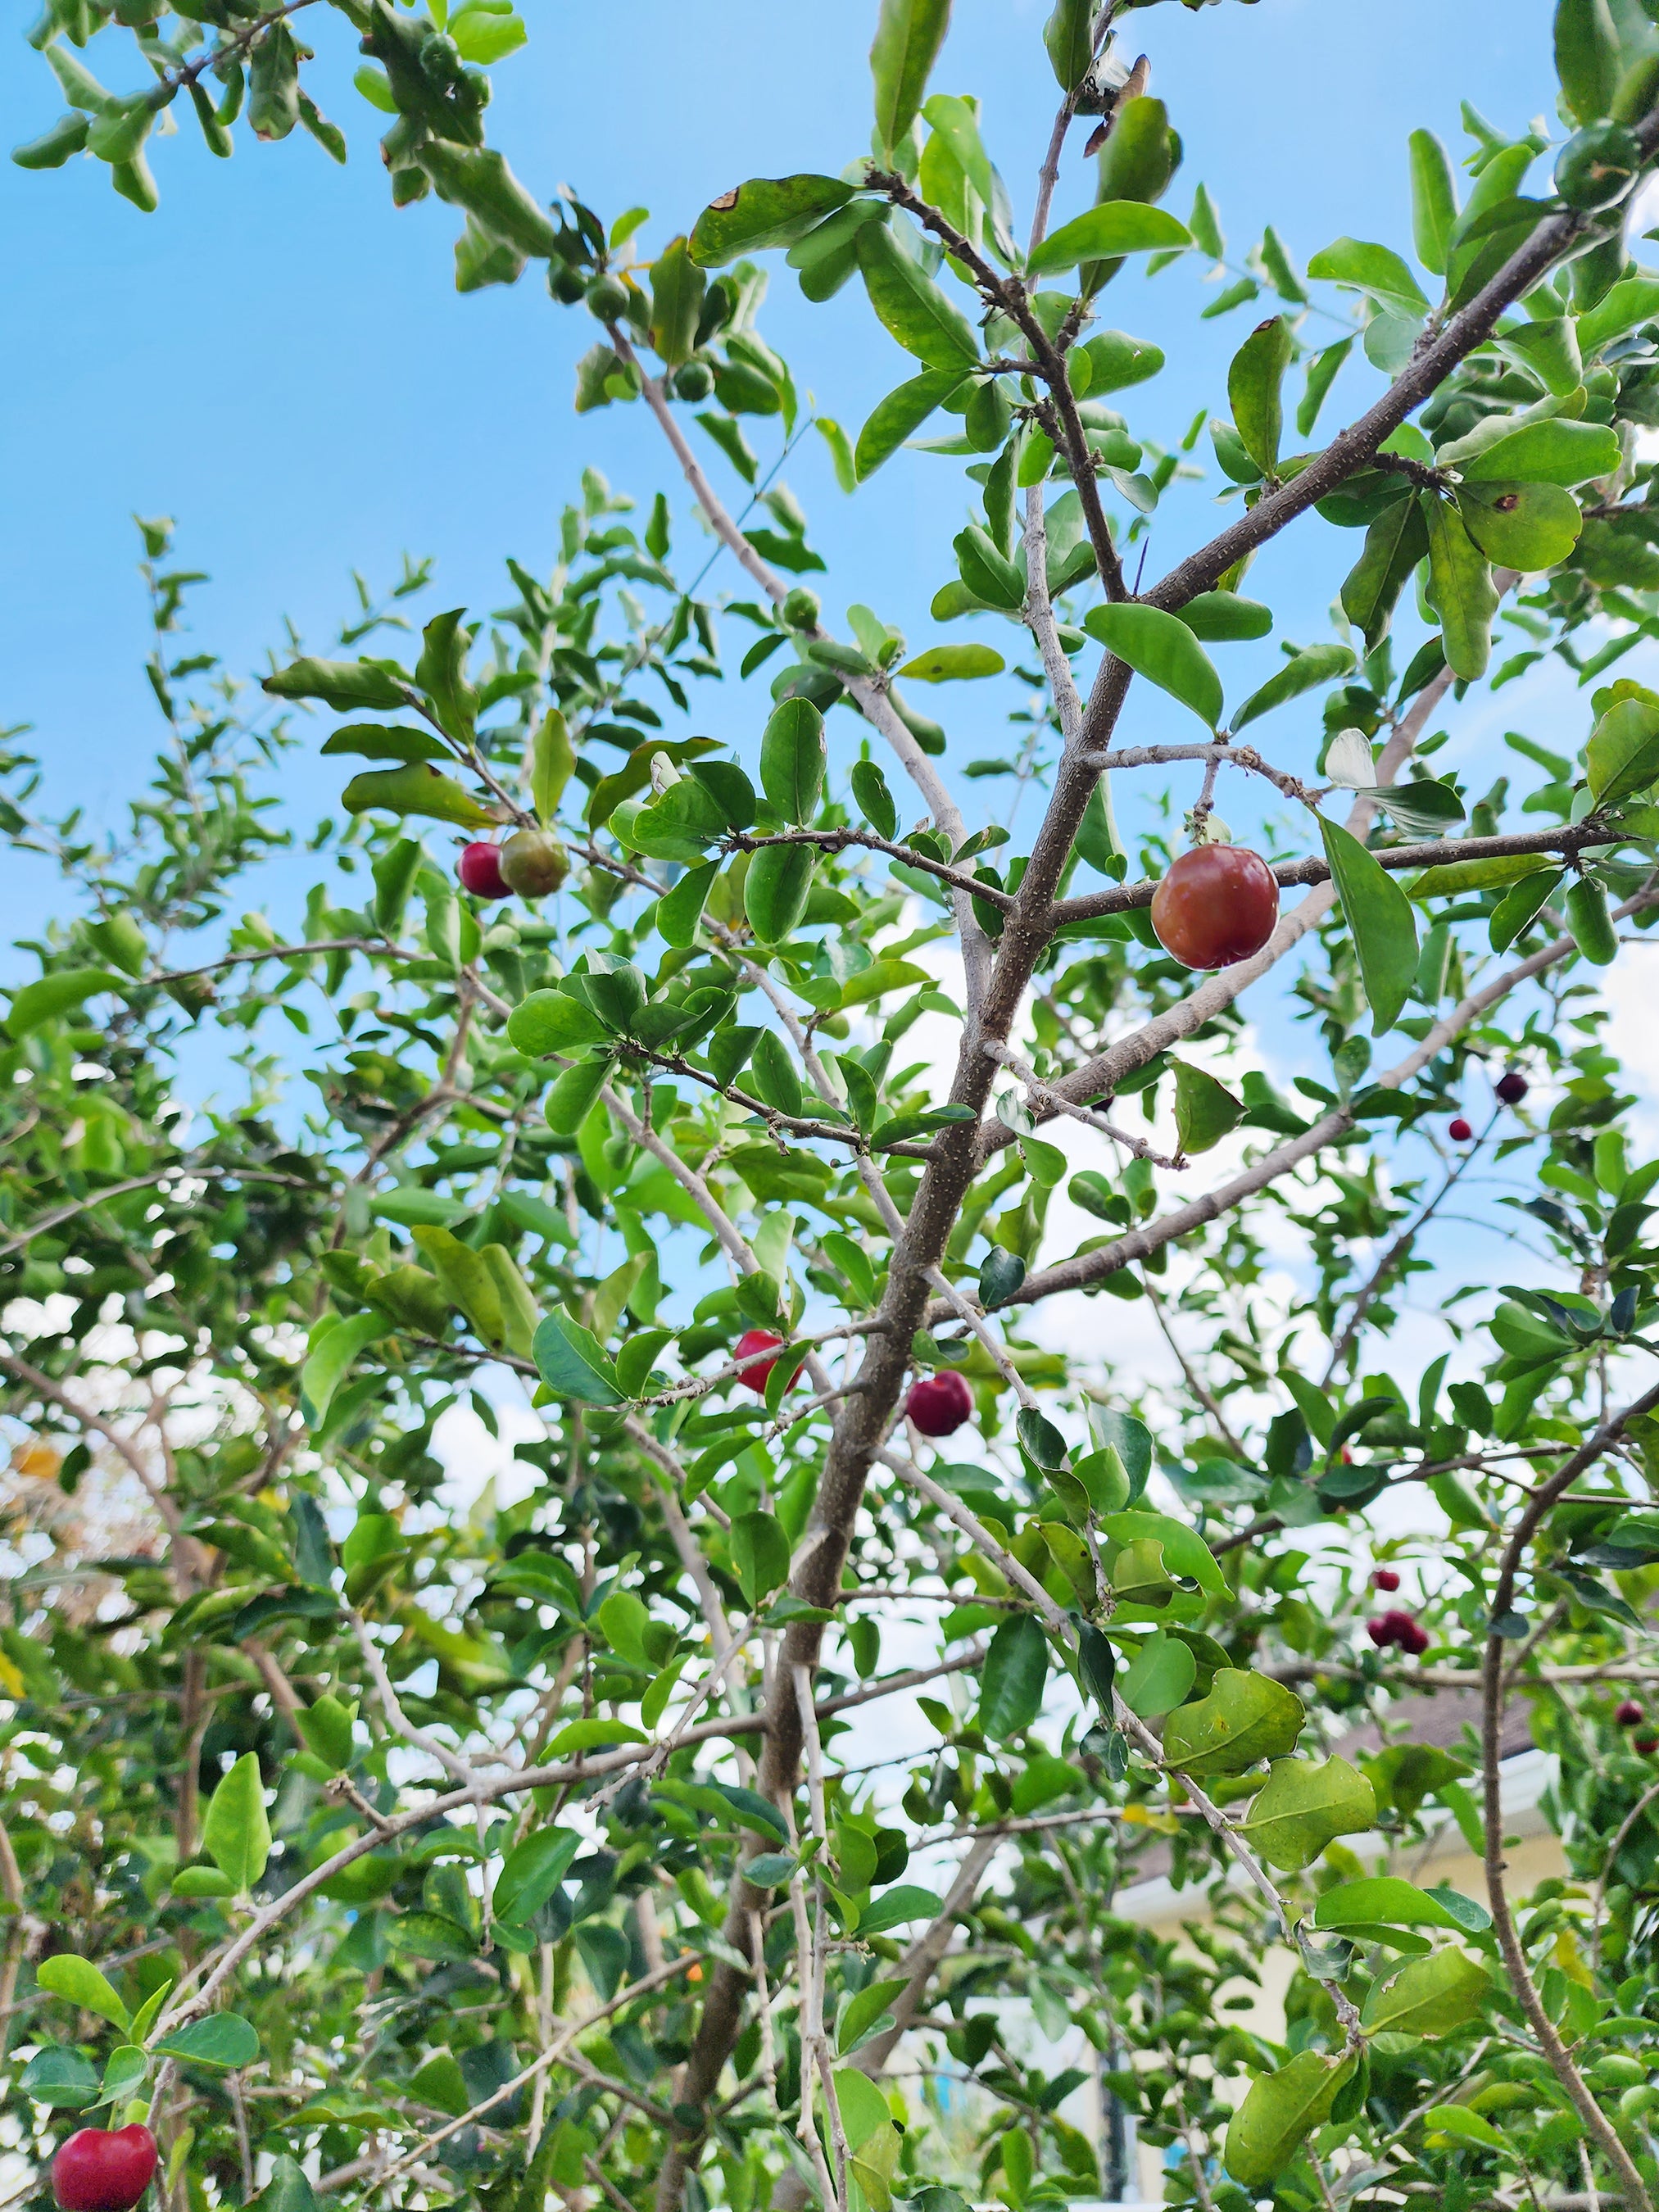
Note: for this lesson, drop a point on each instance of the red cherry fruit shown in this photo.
(1218, 904)
(1647, 1745)
(480, 870)
(756, 1339)
(1459, 1131)
(1414, 1639)
(1512, 1088)
(1378, 1629)
(1629, 1715)
(101, 2170)
(1385, 1579)
(940, 1404)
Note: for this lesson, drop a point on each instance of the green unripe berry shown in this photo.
(567, 285)
(607, 298)
(693, 379)
(1597, 168)
(800, 608)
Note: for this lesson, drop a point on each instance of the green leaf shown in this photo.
(81, 1983)
(374, 741)
(1394, 1903)
(236, 1834)
(1317, 664)
(794, 757)
(901, 413)
(1434, 200)
(53, 148)
(575, 1094)
(532, 1871)
(552, 762)
(1379, 915)
(223, 2039)
(1305, 1804)
(477, 178)
(1375, 270)
(1527, 526)
(1012, 1684)
(1395, 543)
(1255, 388)
(1109, 231)
(1244, 1718)
(572, 1363)
(760, 1555)
(415, 789)
(442, 673)
(60, 2078)
(911, 306)
(326, 1726)
(1185, 1552)
(552, 1022)
(776, 888)
(1458, 2120)
(1633, 301)
(1280, 2112)
(1223, 618)
(873, 798)
(1162, 648)
(593, 1735)
(1557, 452)
(1623, 755)
(1205, 1109)
(1160, 1676)
(330, 1357)
(766, 211)
(288, 2190)
(52, 995)
(680, 911)
(1428, 1996)
(677, 285)
(1586, 56)
(1589, 923)
(1117, 361)
(903, 1903)
(908, 35)
(954, 664)
(773, 1076)
(1460, 590)
(986, 571)
(1068, 35)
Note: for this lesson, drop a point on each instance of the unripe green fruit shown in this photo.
(567, 285)
(607, 298)
(1598, 167)
(693, 379)
(533, 864)
(800, 608)
(1618, 2070)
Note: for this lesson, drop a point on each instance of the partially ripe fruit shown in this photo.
(607, 298)
(1385, 1579)
(533, 864)
(480, 870)
(1629, 1715)
(940, 1404)
(104, 2170)
(1218, 904)
(1459, 1131)
(756, 1339)
(1512, 1088)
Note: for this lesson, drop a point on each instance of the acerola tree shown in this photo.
(351, 1846)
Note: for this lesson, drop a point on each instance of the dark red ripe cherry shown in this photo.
(1378, 1630)
(1218, 904)
(756, 1339)
(480, 870)
(1459, 1131)
(1629, 1715)
(1414, 1638)
(1385, 1579)
(1647, 1745)
(1512, 1088)
(101, 2170)
(940, 1404)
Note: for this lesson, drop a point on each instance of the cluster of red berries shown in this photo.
(938, 1404)
(1511, 1089)
(104, 2169)
(1630, 1714)
(1395, 1626)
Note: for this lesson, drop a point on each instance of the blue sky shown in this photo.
(277, 358)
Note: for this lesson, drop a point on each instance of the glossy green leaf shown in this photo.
(1376, 270)
(553, 1022)
(1633, 301)
(1623, 755)
(532, 1871)
(1205, 1110)
(1379, 915)
(1158, 1678)
(1589, 923)
(1587, 58)
(235, 1831)
(1527, 527)
(677, 285)
(1461, 590)
(903, 1903)
(479, 179)
(793, 758)
(1224, 618)
(326, 1726)
(908, 35)
(873, 798)
(1245, 1717)
(1255, 384)
(415, 789)
(911, 306)
(575, 1093)
(1469, 2126)
(765, 211)
(1162, 648)
(1551, 350)
(1011, 1682)
(330, 1358)
(1307, 671)
(1557, 452)
(79, 1982)
(954, 664)
(572, 1363)
(1109, 231)
(61, 992)
(776, 888)
(986, 571)
(61, 2078)
(1068, 34)
(1305, 1804)
(900, 414)
(1280, 2112)
(1395, 543)
(760, 1555)
(1434, 200)
(1429, 1996)
(1388, 1899)
(220, 2038)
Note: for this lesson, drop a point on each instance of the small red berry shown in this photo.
(104, 2170)
(1414, 1639)
(1381, 1631)
(480, 870)
(1629, 1715)
(940, 1404)
(1647, 1745)
(752, 1340)
(1218, 904)
(1512, 1088)
(1385, 1579)
(1459, 1131)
